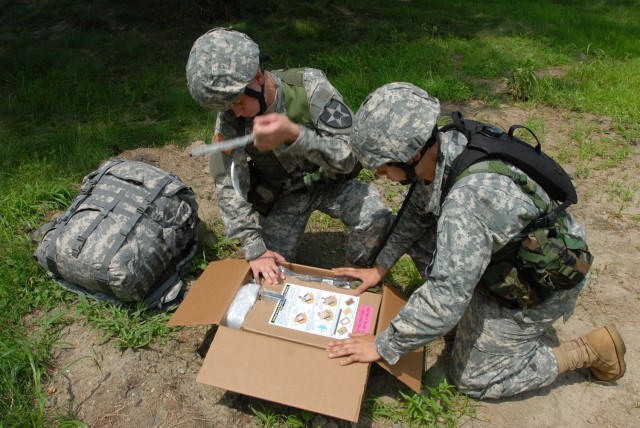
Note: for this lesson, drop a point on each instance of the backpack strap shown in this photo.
(60, 224)
(458, 124)
(76, 246)
(538, 147)
(527, 185)
(499, 167)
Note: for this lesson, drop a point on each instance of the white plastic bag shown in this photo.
(243, 301)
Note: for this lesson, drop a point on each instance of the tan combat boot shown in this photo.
(601, 349)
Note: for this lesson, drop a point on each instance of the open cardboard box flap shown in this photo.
(279, 369)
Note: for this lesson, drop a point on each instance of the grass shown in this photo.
(82, 82)
(268, 417)
(126, 327)
(440, 406)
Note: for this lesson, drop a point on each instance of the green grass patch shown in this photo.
(405, 275)
(440, 406)
(127, 328)
(269, 417)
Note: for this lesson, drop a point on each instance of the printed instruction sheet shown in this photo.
(326, 313)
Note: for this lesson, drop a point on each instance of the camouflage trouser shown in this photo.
(498, 351)
(358, 205)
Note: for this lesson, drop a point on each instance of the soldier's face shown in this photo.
(246, 106)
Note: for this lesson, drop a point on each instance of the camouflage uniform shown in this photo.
(357, 205)
(497, 351)
(221, 65)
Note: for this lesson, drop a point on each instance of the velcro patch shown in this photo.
(336, 115)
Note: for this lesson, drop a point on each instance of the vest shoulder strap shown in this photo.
(497, 166)
(295, 95)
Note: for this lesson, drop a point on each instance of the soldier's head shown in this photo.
(225, 69)
(393, 129)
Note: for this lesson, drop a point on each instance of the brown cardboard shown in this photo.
(277, 365)
(212, 293)
(409, 368)
(285, 372)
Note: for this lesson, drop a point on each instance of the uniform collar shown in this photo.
(451, 145)
(278, 105)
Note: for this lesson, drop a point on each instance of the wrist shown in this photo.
(381, 271)
(294, 132)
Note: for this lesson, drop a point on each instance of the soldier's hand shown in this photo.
(265, 267)
(271, 130)
(370, 277)
(359, 348)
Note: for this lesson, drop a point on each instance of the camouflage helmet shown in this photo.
(221, 64)
(393, 124)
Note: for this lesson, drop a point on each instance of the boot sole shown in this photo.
(621, 348)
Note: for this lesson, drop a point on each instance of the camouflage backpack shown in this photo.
(127, 237)
(545, 255)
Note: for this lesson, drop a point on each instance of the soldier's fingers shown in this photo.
(361, 289)
(347, 271)
(349, 360)
(269, 276)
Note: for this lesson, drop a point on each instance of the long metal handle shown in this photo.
(231, 144)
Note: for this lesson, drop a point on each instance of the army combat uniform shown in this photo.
(309, 174)
(497, 350)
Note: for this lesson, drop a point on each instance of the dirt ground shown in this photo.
(156, 387)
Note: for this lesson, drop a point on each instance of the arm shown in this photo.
(236, 212)
(437, 303)
(463, 251)
(416, 223)
(369, 277)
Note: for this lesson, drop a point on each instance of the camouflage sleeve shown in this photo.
(237, 214)
(481, 214)
(413, 224)
(327, 145)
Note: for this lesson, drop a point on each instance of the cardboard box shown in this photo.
(280, 364)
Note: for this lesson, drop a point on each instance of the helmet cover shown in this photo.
(393, 124)
(221, 64)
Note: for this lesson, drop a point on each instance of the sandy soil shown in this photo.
(156, 387)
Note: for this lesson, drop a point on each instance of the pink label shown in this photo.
(363, 319)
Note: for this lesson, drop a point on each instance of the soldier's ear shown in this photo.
(259, 79)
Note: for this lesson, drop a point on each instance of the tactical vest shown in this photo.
(265, 166)
(527, 269)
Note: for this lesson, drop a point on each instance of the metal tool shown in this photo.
(235, 179)
(231, 144)
(262, 294)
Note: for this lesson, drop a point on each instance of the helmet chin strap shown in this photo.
(410, 169)
(260, 95)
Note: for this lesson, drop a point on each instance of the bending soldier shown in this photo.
(497, 350)
(300, 160)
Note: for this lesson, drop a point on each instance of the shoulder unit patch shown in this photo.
(336, 115)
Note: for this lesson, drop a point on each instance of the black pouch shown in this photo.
(263, 196)
(546, 259)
